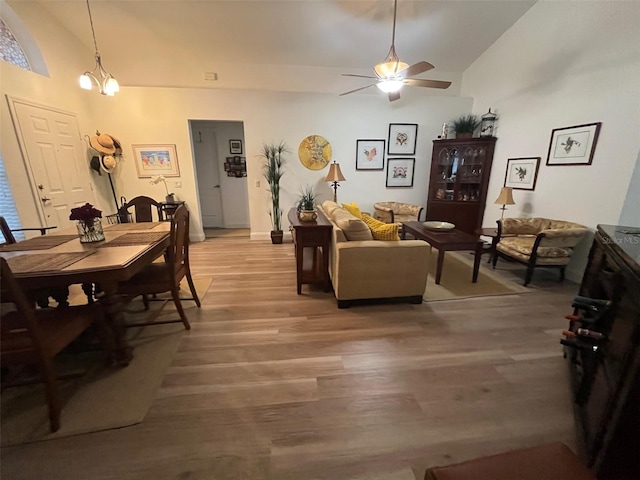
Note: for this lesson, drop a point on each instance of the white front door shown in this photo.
(54, 155)
(206, 155)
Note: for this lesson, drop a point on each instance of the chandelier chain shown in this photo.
(93, 32)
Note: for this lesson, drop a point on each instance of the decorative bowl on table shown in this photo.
(437, 225)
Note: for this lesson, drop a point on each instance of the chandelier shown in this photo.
(106, 83)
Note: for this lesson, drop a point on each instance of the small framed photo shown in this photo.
(153, 160)
(369, 154)
(400, 172)
(573, 145)
(522, 173)
(402, 138)
(235, 146)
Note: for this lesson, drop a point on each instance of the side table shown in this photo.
(168, 209)
(312, 241)
(493, 233)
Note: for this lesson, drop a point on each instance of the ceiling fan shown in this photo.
(392, 74)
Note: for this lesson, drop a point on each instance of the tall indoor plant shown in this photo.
(273, 155)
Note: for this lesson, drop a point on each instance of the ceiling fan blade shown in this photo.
(356, 90)
(359, 76)
(417, 82)
(393, 96)
(416, 69)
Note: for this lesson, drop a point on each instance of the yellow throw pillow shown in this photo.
(381, 230)
(353, 209)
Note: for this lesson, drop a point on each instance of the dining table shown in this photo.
(59, 259)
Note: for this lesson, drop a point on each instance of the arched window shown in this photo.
(10, 49)
(17, 45)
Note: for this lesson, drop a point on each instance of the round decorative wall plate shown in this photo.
(315, 152)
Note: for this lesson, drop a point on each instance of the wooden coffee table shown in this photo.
(446, 241)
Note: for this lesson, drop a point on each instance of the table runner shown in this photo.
(44, 242)
(137, 238)
(45, 262)
(132, 226)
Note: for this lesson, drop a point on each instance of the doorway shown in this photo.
(220, 165)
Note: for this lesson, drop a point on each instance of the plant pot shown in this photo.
(464, 135)
(170, 198)
(307, 215)
(276, 236)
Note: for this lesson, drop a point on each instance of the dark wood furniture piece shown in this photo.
(312, 242)
(106, 266)
(446, 241)
(459, 180)
(36, 336)
(495, 238)
(7, 232)
(168, 208)
(142, 209)
(607, 381)
(165, 277)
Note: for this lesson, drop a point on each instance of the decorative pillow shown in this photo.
(381, 230)
(353, 209)
(352, 227)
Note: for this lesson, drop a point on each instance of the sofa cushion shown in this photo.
(524, 246)
(353, 228)
(381, 230)
(328, 207)
(353, 209)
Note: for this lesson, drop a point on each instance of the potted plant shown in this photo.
(307, 204)
(273, 171)
(88, 223)
(156, 179)
(465, 125)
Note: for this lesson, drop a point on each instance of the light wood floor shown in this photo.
(272, 385)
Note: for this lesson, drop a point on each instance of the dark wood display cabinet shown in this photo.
(606, 373)
(458, 183)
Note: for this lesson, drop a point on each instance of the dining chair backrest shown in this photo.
(178, 253)
(6, 231)
(142, 206)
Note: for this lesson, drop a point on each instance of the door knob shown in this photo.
(40, 187)
(45, 199)
(216, 186)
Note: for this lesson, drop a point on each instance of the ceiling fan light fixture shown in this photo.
(390, 86)
(391, 65)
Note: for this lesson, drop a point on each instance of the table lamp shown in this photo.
(505, 198)
(334, 176)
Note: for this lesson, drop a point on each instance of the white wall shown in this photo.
(630, 215)
(562, 64)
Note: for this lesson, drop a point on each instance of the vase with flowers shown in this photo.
(156, 179)
(88, 222)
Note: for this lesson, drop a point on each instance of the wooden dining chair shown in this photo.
(7, 232)
(143, 208)
(166, 276)
(36, 336)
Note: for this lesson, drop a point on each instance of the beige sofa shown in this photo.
(372, 269)
(538, 242)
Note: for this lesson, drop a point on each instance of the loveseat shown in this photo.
(537, 242)
(363, 268)
(397, 212)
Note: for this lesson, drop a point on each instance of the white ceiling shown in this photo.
(172, 43)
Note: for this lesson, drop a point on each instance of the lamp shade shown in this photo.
(505, 197)
(335, 174)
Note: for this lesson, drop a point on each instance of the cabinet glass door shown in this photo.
(470, 171)
(445, 171)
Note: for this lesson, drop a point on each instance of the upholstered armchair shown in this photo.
(537, 242)
(396, 212)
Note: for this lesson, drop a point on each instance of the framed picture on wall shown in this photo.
(400, 172)
(370, 154)
(522, 173)
(402, 138)
(235, 146)
(573, 145)
(153, 160)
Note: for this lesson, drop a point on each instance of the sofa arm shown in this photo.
(562, 237)
(384, 214)
(380, 269)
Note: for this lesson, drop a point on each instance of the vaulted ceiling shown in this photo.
(286, 43)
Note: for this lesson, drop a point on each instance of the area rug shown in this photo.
(227, 232)
(103, 397)
(455, 282)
